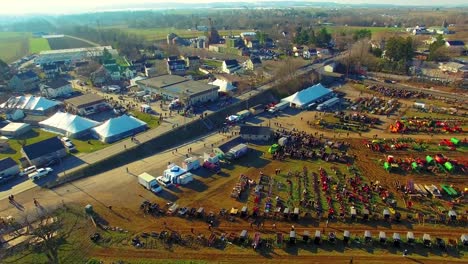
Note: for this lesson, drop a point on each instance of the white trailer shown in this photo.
(186, 178)
(149, 182)
(191, 163)
(280, 106)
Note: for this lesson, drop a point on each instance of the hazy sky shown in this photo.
(66, 6)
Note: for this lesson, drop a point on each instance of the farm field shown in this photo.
(37, 45)
(372, 29)
(14, 45)
(67, 43)
(153, 34)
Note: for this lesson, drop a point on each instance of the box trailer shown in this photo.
(149, 182)
(280, 106)
(243, 114)
(237, 151)
(190, 164)
(185, 178)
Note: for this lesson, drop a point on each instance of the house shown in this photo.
(188, 91)
(8, 167)
(113, 71)
(455, 45)
(330, 67)
(255, 133)
(253, 63)
(24, 81)
(15, 129)
(100, 76)
(41, 152)
(51, 70)
(56, 88)
(230, 66)
(192, 62)
(86, 104)
(176, 67)
(150, 70)
(451, 67)
(139, 65)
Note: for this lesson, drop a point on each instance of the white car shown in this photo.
(28, 170)
(164, 182)
(40, 173)
(66, 140)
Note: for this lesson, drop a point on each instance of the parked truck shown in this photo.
(149, 182)
(237, 152)
(280, 106)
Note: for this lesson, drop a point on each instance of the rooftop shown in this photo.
(13, 127)
(26, 75)
(91, 49)
(57, 83)
(7, 163)
(85, 99)
(162, 81)
(255, 130)
(190, 87)
(42, 148)
(231, 62)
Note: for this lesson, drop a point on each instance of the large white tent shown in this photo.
(68, 124)
(224, 86)
(120, 127)
(307, 96)
(31, 104)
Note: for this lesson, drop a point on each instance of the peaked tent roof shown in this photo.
(118, 125)
(308, 95)
(30, 103)
(68, 122)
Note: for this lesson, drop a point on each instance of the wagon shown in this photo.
(306, 236)
(441, 243)
(365, 214)
(464, 239)
(353, 213)
(332, 237)
(286, 212)
(367, 236)
(396, 239)
(200, 212)
(453, 215)
(382, 237)
(346, 237)
(295, 215)
(427, 240)
(386, 214)
(243, 236)
(318, 237)
(410, 237)
(292, 237)
(244, 211)
(211, 239)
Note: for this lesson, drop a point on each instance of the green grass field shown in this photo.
(153, 34)
(37, 45)
(151, 120)
(13, 45)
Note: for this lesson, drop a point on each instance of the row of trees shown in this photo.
(308, 37)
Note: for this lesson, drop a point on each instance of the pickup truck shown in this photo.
(40, 173)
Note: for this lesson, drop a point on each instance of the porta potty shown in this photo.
(448, 166)
(455, 141)
(429, 159)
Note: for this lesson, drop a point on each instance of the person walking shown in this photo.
(36, 203)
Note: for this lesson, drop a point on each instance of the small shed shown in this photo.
(382, 237)
(410, 237)
(346, 236)
(453, 215)
(15, 129)
(367, 235)
(292, 237)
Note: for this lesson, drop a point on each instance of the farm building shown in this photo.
(330, 67)
(118, 128)
(31, 105)
(56, 88)
(41, 152)
(24, 81)
(255, 133)
(307, 96)
(173, 86)
(72, 55)
(68, 124)
(8, 167)
(253, 63)
(15, 129)
(86, 104)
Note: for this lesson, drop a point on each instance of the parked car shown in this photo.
(28, 170)
(40, 173)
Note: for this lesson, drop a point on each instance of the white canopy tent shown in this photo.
(309, 95)
(68, 124)
(224, 86)
(120, 127)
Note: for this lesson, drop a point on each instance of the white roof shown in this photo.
(146, 176)
(118, 125)
(12, 127)
(224, 86)
(88, 49)
(70, 123)
(307, 95)
(29, 103)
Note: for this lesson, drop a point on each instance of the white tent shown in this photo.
(68, 124)
(33, 104)
(309, 95)
(224, 86)
(120, 127)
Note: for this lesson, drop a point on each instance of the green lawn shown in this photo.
(33, 136)
(14, 45)
(161, 33)
(37, 45)
(88, 145)
(213, 63)
(151, 120)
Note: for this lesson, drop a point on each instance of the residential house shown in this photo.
(56, 88)
(100, 76)
(455, 45)
(114, 72)
(253, 63)
(24, 81)
(330, 67)
(192, 62)
(255, 133)
(230, 66)
(51, 71)
(455, 67)
(8, 168)
(139, 65)
(150, 70)
(41, 152)
(176, 67)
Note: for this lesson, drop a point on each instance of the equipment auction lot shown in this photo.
(120, 189)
